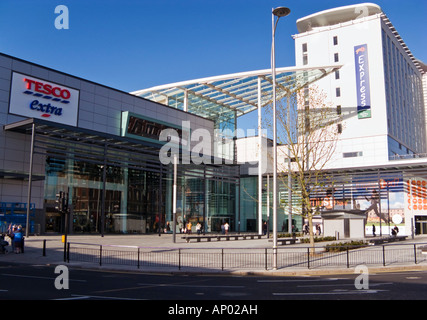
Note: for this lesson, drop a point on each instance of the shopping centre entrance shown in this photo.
(420, 224)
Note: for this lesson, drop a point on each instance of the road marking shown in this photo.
(82, 297)
(188, 285)
(35, 277)
(300, 280)
(74, 298)
(157, 285)
(335, 292)
(343, 284)
(234, 294)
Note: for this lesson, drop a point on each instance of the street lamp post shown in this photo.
(278, 12)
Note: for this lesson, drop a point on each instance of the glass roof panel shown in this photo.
(232, 93)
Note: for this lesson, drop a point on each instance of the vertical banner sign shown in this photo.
(362, 81)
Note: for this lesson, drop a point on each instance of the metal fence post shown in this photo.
(266, 263)
(348, 263)
(44, 248)
(100, 255)
(68, 252)
(308, 258)
(383, 256)
(415, 253)
(179, 259)
(138, 257)
(222, 259)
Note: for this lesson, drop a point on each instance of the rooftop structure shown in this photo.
(235, 94)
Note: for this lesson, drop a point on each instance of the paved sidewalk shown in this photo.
(55, 254)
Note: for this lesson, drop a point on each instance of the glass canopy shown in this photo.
(229, 96)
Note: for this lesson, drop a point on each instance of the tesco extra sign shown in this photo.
(37, 98)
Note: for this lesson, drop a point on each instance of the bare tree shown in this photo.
(308, 128)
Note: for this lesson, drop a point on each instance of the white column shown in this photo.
(186, 101)
(260, 164)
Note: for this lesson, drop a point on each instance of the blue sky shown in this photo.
(131, 45)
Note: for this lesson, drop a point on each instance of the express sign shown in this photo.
(362, 81)
(36, 98)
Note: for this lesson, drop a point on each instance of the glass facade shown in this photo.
(404, 98)
(381, 196)
(137, 201)
(118, 184)
(249, 205)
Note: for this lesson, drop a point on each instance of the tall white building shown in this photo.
(378, 90)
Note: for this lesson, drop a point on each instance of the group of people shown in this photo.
(394, 231)
(224, 228)
(14, 232)
(188, 228)
(306, 229)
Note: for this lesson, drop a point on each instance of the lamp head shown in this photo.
(281, 12)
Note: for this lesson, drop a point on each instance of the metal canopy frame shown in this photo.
(233, 94)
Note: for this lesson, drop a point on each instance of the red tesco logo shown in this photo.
(47, 89)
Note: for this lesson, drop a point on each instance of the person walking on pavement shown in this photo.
(226, 227)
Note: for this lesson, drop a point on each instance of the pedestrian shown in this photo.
(3, 244)
(226, 226)
(264, 228)
(222, 228)
(306, 229)
(11, 234)
(189, 225)
(198, 228)
(17, 239)
(395, 231)
(318, 230)
(373, 230)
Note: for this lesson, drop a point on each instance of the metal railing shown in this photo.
(244, 258)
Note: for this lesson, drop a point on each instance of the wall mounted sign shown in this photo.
(37, 98)
(416, 195)
(362, 81)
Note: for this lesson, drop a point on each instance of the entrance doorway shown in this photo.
(420, 224)
(216, 223)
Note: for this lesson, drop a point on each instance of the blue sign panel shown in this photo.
(362, 81)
